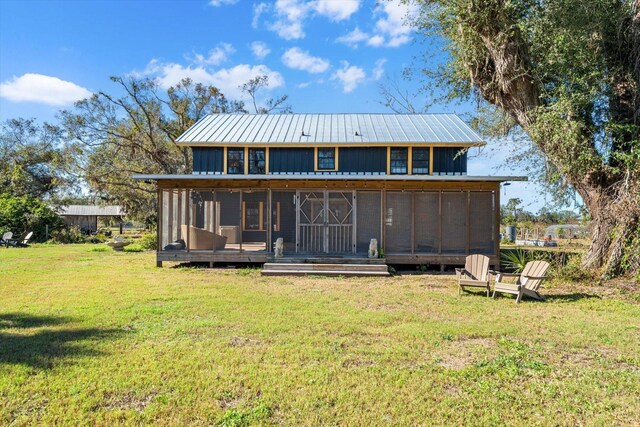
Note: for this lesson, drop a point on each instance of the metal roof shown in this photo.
(337, 177)
(305, 129)
(90, 210)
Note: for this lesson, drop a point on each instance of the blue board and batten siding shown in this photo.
(351, 160)
(362, 160)
(291, 160)
(208, 160)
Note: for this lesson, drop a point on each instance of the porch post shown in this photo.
(188, 218)
(241, 221)
(159, 227)
(268, 243)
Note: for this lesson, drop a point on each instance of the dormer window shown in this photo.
(257, 161)
(420, 161)
(327, 159)
(235, 161)
(399, 160)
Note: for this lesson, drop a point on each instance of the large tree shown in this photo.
(116, 137)
(32, 160)
(567, 73)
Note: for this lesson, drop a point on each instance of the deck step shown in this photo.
(327, 260)
(275, 269)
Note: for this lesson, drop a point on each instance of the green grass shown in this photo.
(105, 338)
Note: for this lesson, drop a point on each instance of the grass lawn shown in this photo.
(107, 338)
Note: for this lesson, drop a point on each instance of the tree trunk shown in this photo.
(615, 234)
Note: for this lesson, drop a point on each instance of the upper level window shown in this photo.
(235, 161)
(257, 161)
(420, 161)
(327, 158)
(399, 159)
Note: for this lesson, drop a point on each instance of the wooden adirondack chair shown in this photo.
(474, 274)
(6, 237)
(528, 281)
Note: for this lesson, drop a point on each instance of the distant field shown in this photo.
(106, 338)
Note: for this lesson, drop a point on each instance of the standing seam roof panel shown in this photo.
(200, 128)
(329, 129)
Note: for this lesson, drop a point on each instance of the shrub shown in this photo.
(26, 213)
(516, 260)
(149, 241)
(573, 271)
(69, 235)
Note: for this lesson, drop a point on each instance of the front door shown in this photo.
(325, 221)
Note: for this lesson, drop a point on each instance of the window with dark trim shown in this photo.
(253, 218)
(235, 161)
(399, 160)
(257, 161)
(420, 160)
(326, 158)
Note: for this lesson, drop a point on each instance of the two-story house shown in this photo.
(327, 184)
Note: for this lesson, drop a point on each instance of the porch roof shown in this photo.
(336, 177)
(306, 129)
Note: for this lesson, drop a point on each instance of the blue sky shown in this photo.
(327, 55)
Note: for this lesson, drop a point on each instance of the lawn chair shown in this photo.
(528, 281)
(474, 274)
(6, 237)
(22, 242)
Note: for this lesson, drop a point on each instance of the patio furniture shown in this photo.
(474, 274)
(528, 282)
(6, 237)
(201, 239)
(22, 241)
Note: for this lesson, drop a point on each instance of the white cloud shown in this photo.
(300, 60)
(336, 10)
(393, 24)
(392, 27)
(353, 38)
(217, 3)
(349, 76)
(258, 10)
(216, 56)
(225, 79)
(378, 70)
(376, 41)
(228, 79)
(290, 15)
(260, 49)
(31, 87)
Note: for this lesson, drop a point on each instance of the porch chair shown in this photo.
(6, 237)
(528, 282)
(474, 274)
(22, 241)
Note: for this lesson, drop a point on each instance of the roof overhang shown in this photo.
(336, 177)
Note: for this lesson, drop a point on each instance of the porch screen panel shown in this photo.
(254, 220)
(283, 219)
(398, 223)
(227, 216)
(427, 222)
(368, 213)
(482, 222)
(202, 227)
(166, 227)
(454, 222)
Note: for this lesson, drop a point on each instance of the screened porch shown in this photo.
(242, 225)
